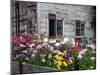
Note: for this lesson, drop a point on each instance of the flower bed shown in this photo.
(59, 54)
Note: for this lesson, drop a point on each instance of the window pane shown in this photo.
(82, 26)
(82, 29)
(77, 32)
(59, 27)
(77, 23)
(82, 32)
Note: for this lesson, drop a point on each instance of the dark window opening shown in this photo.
(80, 28)
(52, 26)
(59, 28)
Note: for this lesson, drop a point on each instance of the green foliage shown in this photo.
(74, 53)
(86, 63)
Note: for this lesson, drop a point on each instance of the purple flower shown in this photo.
(67, 53)
(51, 48)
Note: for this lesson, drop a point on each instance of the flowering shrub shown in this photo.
(87, 59)
(38, 50)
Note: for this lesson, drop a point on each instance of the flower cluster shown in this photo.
(37, 49)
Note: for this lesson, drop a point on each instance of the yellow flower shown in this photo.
(64, 52)
(70, 61)
(57, 57)
(61, 58)
(59, 63)
(55, 51)
(65, 63)
(50, 56)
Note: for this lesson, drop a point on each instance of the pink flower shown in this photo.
(22, 40)
(13, 38)
(29, 42)
(39, 46)
(17, 41)
(26, 35)
(44, 44)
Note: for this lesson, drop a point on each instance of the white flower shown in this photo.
(45, 40)
(92, 46)
(79, 56)
(57, 44)
(91, 67)
(17, 56)
(93, 58)
(65, 40)
(73, 42)
(21, 37)
(62, 42)
(31, 45)
(52, 41)
(21, 45)
(93, 52)
(50, 55)
(25, 51)
(33, 55)
(26, 58)
(42, 55)
(43, 60)
(24, 63)
(34, 51)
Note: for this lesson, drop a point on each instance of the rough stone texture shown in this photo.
(69, 13)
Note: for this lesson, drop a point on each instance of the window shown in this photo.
(80, 31)
(55, 26)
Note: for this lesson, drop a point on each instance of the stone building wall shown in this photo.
(69, 14)
(27, 18)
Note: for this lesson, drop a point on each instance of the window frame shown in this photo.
(80, 28)
(56, 24)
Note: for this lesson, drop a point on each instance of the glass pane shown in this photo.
(59, 27)
(77, 23)
(82, 32)
(82, 29)
(82, 26)
(77, 32)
